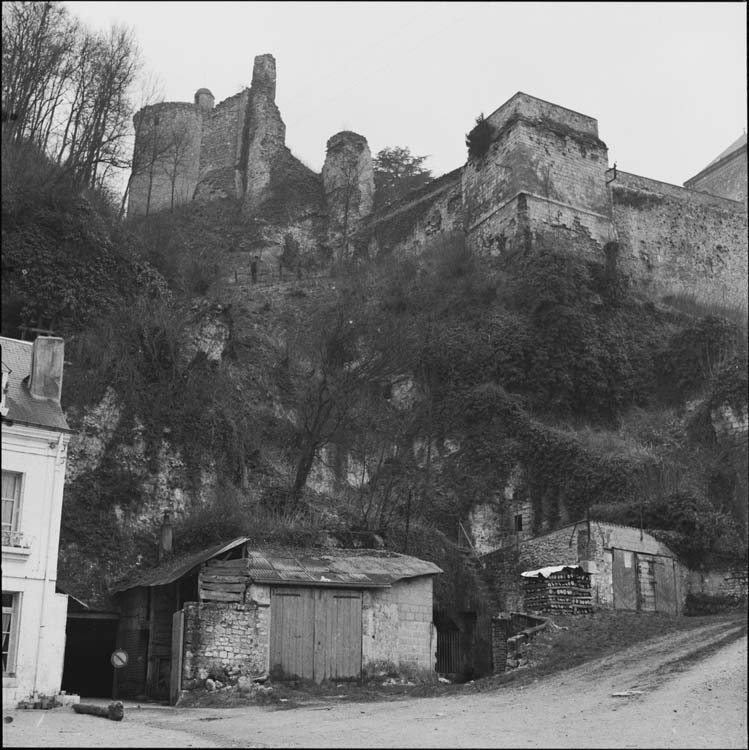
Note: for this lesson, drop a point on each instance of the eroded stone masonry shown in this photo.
(542, 172)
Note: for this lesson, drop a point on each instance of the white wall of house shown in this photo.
(29, 562)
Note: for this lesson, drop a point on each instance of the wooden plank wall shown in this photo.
(224, 581)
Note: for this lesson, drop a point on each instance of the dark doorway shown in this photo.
(449, 659)
(90, 640)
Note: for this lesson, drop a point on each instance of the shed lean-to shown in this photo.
(315, 613)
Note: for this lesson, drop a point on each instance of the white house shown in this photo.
(34, 452)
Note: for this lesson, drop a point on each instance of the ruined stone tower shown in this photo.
(348, 182)
(200, 151)
(265, 132)
(167, 154)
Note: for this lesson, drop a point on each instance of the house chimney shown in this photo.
(166, 538)
(47, 361)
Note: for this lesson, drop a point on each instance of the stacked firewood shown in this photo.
(565, 592)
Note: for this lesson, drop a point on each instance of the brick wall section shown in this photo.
(672, 238)
(224, 641)
(397, 629)
(727, 178)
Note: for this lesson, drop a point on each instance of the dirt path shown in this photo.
(692, 695)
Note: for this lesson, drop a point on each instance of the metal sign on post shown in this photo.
(119, 658)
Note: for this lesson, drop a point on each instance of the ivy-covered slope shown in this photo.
(391, 396)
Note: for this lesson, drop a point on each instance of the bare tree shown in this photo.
(67, 89)
(178, 142)
(37, 40)
(335, 369)
(348, 195)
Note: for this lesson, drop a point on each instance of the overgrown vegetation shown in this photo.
(397, 172)
(479, 138)
(405, 393)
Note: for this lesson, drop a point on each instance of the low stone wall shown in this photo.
(224, 642)
(732, 582)
(509, 634)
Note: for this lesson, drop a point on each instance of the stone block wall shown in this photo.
(167, 156)
(397, 629)
(570, 546)
(221, 147)
(674, 239)
(407, 226)
(733, 582)
(501, 628)
(224, 640)
(502, 573)
(546, 152)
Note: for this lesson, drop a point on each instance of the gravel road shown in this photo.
(681, 692)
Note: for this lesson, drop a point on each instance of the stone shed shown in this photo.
(236, 612)
(628, 567)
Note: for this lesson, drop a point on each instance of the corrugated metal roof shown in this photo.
(358, 568)
(351, 567)
(16, 357)
(173, 569)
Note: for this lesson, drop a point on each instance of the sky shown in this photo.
(666, 81)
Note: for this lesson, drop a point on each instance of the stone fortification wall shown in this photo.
(550, 154)
(231, 151)
(674, 239)
(406, 226)
(542, 173)
(221, 146)
(726, 178)
(266, 132)
(166, 157)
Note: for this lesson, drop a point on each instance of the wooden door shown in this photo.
(175, 676)
(292, 617)
(315, 633)
(665, 585)
(337, 635)
(624, 579)
(646, 583)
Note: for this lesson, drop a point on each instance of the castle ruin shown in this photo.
(538, 170)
